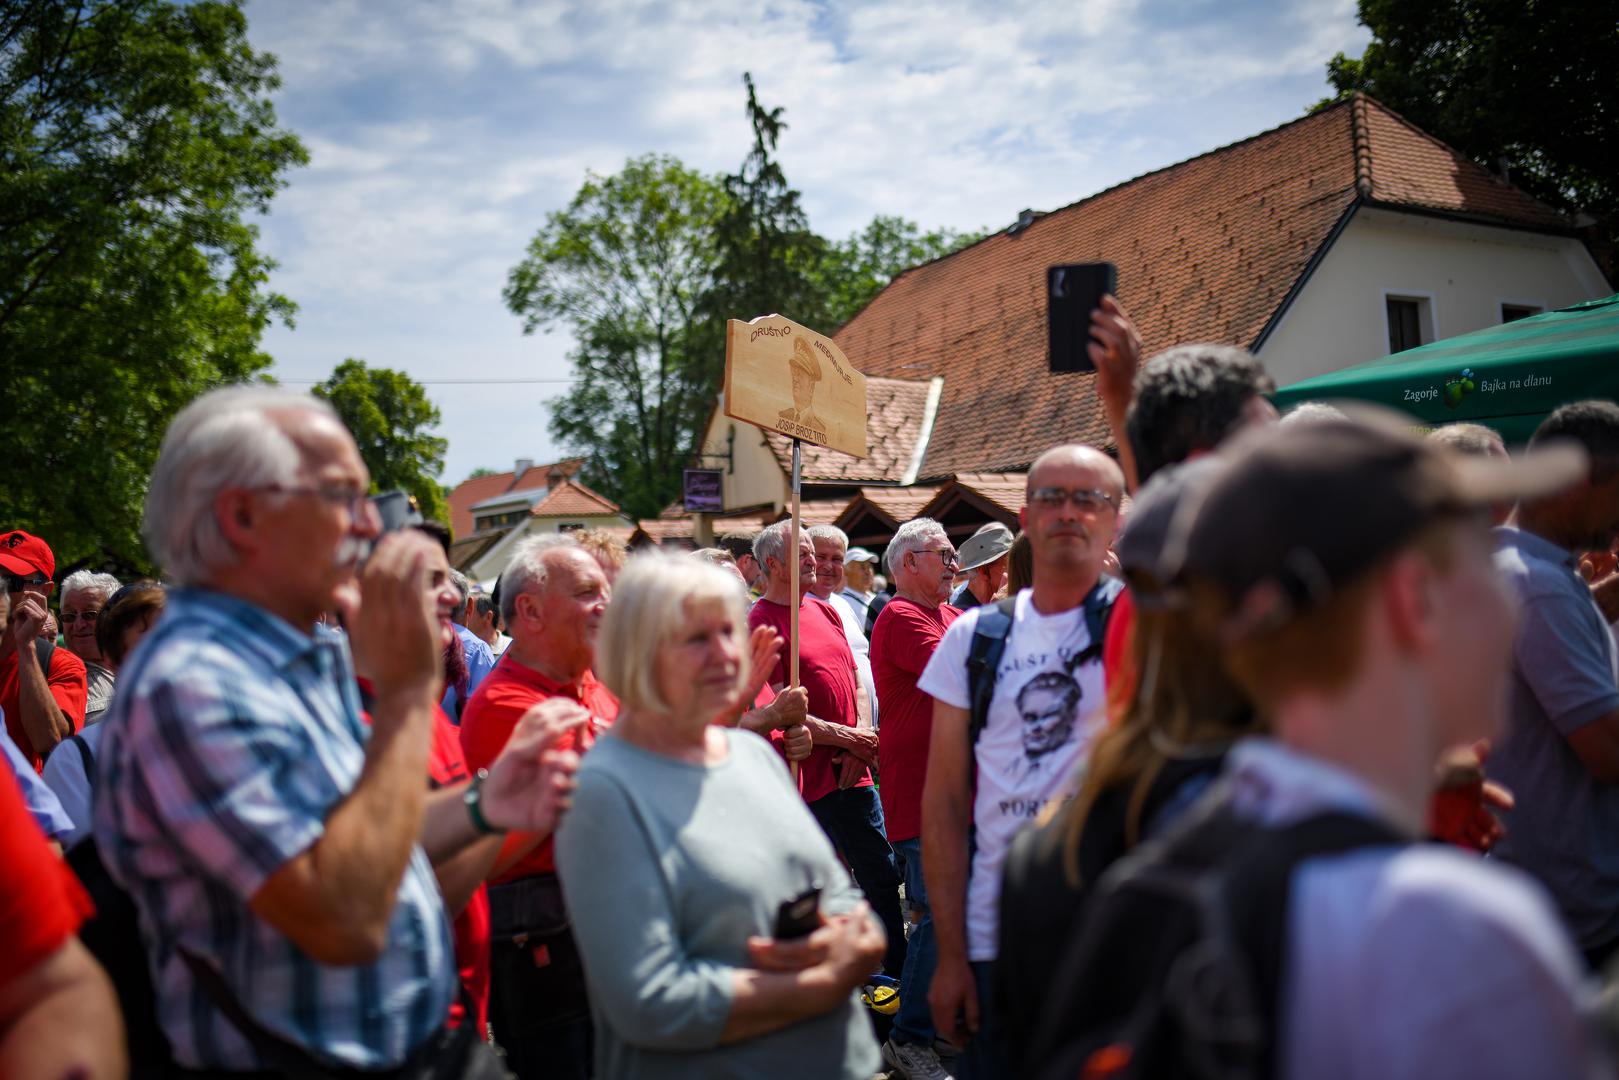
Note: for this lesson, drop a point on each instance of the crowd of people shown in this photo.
(1264, 746)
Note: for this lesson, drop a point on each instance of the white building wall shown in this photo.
(1464, 273)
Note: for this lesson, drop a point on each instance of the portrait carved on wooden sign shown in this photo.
(787, 378)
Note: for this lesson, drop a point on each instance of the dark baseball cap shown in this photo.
(1150, 551)
(1302, 511)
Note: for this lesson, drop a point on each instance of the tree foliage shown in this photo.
(856, 269)
(391, 419)
(623, 266)
(1532, 86)
(646, 266)
(136, 136)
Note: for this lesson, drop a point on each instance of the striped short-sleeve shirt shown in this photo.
(231, 738)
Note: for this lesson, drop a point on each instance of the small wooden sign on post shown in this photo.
(786, 378)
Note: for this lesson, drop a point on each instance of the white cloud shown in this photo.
(443, 131)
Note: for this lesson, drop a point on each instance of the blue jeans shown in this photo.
(914, 1022)
(984, 1056)
(853, 818)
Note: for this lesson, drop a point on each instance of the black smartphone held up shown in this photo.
(396, 509)
(1073, 291)
(797, 917)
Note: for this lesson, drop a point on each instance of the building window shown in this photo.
(1514, 312)
(1410, 322)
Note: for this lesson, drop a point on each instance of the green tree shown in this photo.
(854, 270)
(768, 258)
(623, 267)
(391, 419)
(1531, 86)
(136, 138)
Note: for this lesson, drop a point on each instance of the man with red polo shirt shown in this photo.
(836, 777)
(42, 707)
(552, 596)
(921, 562)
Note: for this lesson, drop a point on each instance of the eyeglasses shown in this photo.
(1090, 501)
(354, 501)
(947, 556)
(17, 583)
(78, 616)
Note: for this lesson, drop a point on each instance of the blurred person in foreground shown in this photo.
(84, 595)
(1560, 751)
(909, 629)
(237, 778)
(125, 619)
(1346, 570)
(685, 839)
(608, 550)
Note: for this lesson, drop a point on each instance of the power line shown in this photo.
(448, 382)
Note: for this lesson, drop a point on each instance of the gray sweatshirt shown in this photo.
(668, 868)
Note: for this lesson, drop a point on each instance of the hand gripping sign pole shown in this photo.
(788, 379)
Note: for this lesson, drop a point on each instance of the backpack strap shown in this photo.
(86, 755)
(1098, 611)
(44, 649)
(994, 627)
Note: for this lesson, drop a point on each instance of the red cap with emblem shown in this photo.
(21, 553)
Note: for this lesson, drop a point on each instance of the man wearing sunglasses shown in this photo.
(1012, 724)
(42, 688)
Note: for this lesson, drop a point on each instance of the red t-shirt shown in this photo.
(68, 685)
(445, 767)
(902, 642)
(491, 716)
(41, 901)
(1118, 668)
(826, 670)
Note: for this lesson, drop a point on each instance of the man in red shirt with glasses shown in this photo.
(43, 704)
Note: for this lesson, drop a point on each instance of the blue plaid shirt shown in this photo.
(231, 738)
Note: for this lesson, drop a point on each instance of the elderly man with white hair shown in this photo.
(84, 594)
(280, 854)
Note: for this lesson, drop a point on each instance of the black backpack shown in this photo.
(1175, 968)
(993, 629)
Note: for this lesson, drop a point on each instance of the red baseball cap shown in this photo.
(21, 553)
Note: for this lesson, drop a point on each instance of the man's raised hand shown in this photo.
(530, 784)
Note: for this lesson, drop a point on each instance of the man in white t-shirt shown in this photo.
(1047, 707)
(1345, 566)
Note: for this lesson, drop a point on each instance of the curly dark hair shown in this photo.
(1592, 424)
(1189, 398)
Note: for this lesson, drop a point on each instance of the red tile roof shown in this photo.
(572, 499)
(469, 493)
(1207, 250)
(895, 409)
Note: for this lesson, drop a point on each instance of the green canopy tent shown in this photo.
(1507, 377)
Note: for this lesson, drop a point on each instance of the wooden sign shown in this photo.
(787, 378)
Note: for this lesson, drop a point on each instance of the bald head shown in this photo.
(1077, 455)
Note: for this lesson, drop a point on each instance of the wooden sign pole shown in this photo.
(792, 556)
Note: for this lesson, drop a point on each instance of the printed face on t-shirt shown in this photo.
(1049, 707)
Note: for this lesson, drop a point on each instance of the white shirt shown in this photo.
(1042, 722)
(501, 641)
(1413, 962)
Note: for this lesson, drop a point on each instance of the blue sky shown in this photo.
(441, 133)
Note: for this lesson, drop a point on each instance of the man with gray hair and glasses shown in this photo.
(922, 562)
(84, 594)
(280, 855)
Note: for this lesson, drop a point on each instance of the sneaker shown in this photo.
(914, 1062)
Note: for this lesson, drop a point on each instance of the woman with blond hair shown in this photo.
(685, 840)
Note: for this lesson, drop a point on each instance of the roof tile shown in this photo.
(894, 413)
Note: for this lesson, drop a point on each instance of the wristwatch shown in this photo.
(473, 798)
